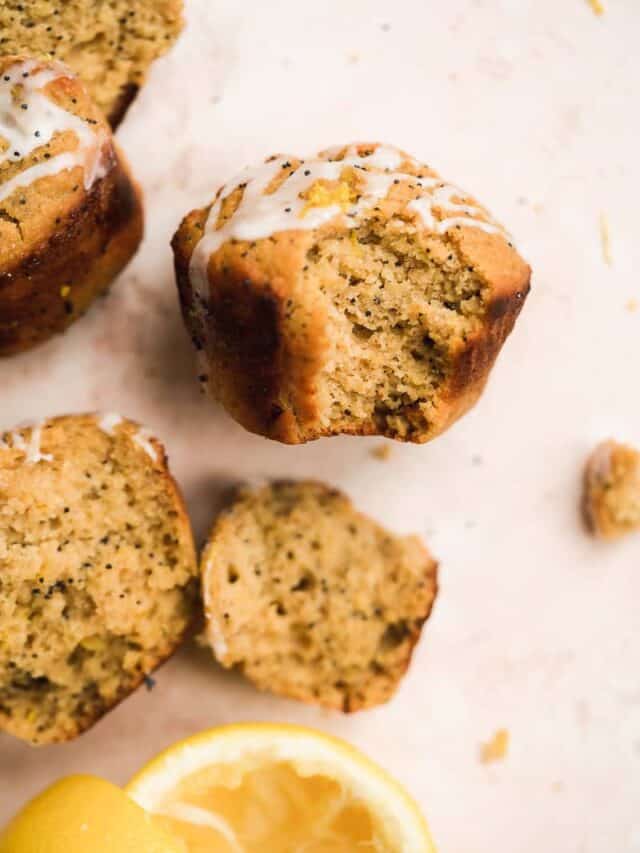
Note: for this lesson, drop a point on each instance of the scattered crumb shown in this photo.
(632, 305)
(611, 492)
(496, 748)
(382, 452)
(605, 239)
(597, 6)
(538, 207)
(353, 58)
(476, 460)
(385, 27)
(557, 787)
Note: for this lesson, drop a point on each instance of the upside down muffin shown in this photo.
(355, 292)
(313, 600)
(97, 570)
(70, 214)
(110, 44)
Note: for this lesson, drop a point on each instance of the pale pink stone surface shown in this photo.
(533, 107)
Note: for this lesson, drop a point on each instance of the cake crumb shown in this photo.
(605, 239)
(596, 6)
(632, 305)
(611, 497)
(495, 749)
(381, 452)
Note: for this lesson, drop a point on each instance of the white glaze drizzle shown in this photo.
(197, 816)
(109, 421)
(143, 439)
(216, 638)
(32, 449)
(259, 216)
(18, 442)
(35, 120)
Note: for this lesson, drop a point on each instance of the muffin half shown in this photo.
(313, 600)
(355, 292)
(97, 570)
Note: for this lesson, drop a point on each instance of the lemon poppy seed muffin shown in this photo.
(110, 44)
(70, 214)
(354, 292)
(311, 599)
(97, 570)
(611, 499)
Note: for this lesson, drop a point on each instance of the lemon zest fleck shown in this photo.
(605, 239)
(321, 194)
(496, 748)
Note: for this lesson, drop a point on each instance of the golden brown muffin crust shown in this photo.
(97, 568)
(61, 242)
(313, 600)
(298, 340)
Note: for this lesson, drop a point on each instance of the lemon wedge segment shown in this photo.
(286, 789)
(84, 814)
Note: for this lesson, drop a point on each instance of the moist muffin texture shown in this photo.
(611, 500)
(354, 292)
(110, 44)
(311, 599)
(98, 574)
(70, 214)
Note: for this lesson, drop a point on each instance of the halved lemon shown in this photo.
(84, 814)
(278, 789)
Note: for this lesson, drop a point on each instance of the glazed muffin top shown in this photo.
(355, 292)
(339, 189)
(110, 45)
(55, 144)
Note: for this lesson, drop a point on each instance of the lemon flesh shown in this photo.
(250, 788)
(272, 808)
(84, 814)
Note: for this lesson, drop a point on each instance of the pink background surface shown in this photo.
(533, 107)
